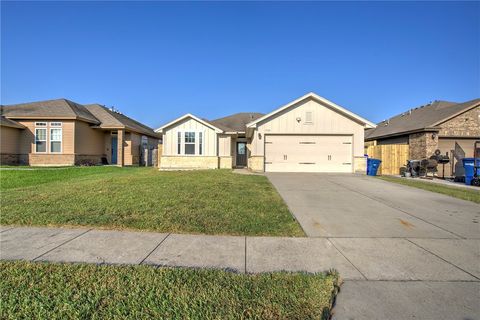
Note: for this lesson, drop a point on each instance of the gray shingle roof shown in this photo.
(58, 108)
(66, 109)
(420, 118)
(236, 122)
(10, 123)
(112, 119)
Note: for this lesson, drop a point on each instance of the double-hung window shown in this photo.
(40, 140)
(55, 140)
(189, 143)
(48, 138)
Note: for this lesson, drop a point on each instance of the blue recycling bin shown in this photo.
(469, 166)
(372, 166)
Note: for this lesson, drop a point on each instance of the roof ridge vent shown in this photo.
(113, 109)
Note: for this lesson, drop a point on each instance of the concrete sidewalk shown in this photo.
(355, 258)
(398, 271)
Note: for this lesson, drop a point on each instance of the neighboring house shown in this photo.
(449, 127)
(310, 134)
(62, 132)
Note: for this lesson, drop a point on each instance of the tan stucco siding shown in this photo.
(324, 121)
(88, 141)
(132, 148)
(224, 145)
(10, 140)
(170, 137)
(27, 140)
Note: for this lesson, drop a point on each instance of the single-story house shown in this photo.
(62, 132)
(452, 128)
(309, 134)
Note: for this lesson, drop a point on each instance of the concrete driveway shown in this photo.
(399, 238)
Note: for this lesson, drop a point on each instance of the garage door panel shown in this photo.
(312, 153)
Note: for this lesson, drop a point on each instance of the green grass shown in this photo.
(80, 291)
(461, 193)
(209, 202)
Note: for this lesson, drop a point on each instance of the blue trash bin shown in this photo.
(372, 166)
(469, 166)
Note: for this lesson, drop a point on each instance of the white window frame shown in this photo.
(50, 140)
(181, 141)
(46, 138)
(56, 124)
(194, 143)
(41, 124)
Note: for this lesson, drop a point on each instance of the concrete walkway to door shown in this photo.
(399, 238)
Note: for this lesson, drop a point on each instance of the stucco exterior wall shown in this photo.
(325, 121)
(88, 141)
(132, 148)
(170, 137)
(10, 140)
(27, 139)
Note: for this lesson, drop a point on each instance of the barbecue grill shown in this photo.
(441, 159)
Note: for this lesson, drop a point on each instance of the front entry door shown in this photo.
(114, 150)
(241, 154)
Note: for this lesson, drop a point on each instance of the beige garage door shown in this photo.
(308, 153)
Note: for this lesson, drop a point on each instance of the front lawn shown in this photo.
(461, 193)
(210, 202)
(80, 291)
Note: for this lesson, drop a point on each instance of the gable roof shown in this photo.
(10, 123)
(49, 109)
(318, 98)
(114, 120)
(189, 115)
(421, 118)
(237, 122)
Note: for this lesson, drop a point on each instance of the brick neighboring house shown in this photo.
(62, 132)
(449, 127)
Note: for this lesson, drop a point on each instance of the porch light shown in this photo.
(259, 136)
(299, 119)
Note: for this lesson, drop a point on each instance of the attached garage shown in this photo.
(308, 153)
(310, 134)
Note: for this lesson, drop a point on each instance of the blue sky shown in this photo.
(155, 61)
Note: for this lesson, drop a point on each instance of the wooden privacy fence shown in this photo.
(393, 156)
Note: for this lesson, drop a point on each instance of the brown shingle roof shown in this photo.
(236, 122)
(10, 123)
(49, 109)
(113, 119)
(424, 117)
